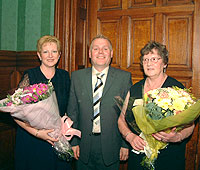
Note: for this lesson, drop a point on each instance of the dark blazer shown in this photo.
(80, 110)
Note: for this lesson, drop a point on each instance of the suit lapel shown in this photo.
(109, 80)
(88, 83)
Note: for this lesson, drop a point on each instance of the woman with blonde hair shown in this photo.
(34, 149)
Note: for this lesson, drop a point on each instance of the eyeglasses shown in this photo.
(153, 60)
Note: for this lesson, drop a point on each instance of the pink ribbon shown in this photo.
(67, 131)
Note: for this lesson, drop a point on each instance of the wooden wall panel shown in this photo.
(178, 36)
(142, 31)
(81, 31)
(111, 29)
(7, 142)
(7, 131)
(177, 2)
(70, 26)
(140, 3)
(111, 4)
(12, 66)
(7, 71)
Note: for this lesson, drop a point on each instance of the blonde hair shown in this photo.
(48, 39)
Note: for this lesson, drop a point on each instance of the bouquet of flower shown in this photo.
(37, 105)
(162, 109)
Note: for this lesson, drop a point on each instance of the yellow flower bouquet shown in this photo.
(162, 109)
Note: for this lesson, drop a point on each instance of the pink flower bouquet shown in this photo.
(37, 105)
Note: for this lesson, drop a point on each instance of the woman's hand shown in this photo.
(172, 136)
(136, 141)
(44, 134)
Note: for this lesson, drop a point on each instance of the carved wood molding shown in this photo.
(62, 30)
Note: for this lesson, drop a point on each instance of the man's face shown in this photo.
(100, 54)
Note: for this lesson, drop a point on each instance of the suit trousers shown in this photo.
(96, 161)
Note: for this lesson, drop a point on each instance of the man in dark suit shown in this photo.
(101, 146)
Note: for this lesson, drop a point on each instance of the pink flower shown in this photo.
(35, 98)
(26, 99)
(44, 88)
(33, 88)
(164, 95)
(39, 91)
(9, 104)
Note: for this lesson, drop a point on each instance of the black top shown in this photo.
(172, 157)
(31, 152)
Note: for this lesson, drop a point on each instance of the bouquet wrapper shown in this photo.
(45, 115)
(149, 126)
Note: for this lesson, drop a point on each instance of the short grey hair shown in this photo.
(100, 36)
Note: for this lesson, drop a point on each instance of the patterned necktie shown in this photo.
(98, 90)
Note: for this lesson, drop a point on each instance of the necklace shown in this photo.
(154, 84)
(48, 73)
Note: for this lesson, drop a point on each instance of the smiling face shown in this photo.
(100, 54)
(153, 64)
(49, 54)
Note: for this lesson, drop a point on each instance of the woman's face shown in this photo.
(153, 64)
(49, 54)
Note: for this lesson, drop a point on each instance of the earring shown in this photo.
(164, 69)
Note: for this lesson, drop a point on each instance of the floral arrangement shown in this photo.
(27, 95)
(162, 109)
(164, 102)
(37, 105)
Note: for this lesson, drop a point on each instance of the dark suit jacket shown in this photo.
(80, 110)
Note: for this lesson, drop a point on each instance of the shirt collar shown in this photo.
(105, 71)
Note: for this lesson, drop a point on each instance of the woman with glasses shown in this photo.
(154, 60)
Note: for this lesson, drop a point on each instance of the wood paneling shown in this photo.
(12, 66)
(111, 28)
(140, 3)
(177, 2)
(111, 4)
(7, 130)
(7, 142)
(71, 28)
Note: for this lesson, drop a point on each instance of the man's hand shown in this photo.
(76, 150)
(123, 154)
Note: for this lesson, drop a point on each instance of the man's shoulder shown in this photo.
(81, 71)
(117, 70)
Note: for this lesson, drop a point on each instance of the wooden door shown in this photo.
(130, 24)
